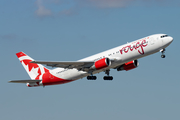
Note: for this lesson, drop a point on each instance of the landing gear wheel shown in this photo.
(91, 77)
(108, 78)
(162, 51)
(163, 56)
(94, 77)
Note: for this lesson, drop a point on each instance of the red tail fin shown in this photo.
(34, 70)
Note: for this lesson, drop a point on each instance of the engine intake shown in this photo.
(129, 65)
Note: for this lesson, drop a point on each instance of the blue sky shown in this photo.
(67, 30)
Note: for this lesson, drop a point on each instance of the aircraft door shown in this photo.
(162, 42)
(152, 41)
(159, 41)
(51, 76)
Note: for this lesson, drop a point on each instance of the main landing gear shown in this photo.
(91, 77)
(162, 51)
(107, 77)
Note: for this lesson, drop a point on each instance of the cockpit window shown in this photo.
(164, 36)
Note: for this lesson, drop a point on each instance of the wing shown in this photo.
(80, 65)
(24, 81)
(70, 64)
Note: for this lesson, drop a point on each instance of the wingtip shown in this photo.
(10, 81)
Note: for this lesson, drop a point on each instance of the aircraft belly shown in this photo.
(70, 74)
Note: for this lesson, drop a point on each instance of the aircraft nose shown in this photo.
(170, 39)
(167, 41)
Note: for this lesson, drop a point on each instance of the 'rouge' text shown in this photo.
(139, 44)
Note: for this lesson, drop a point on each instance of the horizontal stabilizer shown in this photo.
(24, 81)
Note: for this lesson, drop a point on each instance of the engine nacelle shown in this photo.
(102, 63)
(128, 66)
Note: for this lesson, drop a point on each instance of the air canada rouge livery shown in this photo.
(121, 58)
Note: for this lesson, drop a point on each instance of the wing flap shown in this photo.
(24, 81)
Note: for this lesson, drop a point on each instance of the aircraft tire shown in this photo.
(163, 56)
(91, 77)
(108, 78)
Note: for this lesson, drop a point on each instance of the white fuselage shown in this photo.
(119, 55)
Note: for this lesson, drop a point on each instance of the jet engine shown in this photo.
(129, 65)
(102, 63)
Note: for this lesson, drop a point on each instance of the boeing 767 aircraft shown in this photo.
(121, 58)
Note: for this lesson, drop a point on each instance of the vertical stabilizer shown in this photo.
(34, 70)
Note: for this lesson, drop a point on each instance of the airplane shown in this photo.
(121, 58)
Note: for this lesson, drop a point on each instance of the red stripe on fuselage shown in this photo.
(49, 79)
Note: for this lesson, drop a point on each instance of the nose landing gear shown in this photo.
(162, 51)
